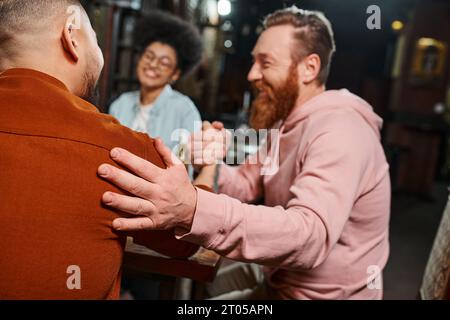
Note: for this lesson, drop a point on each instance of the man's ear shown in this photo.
(310, 68)
(69, 41)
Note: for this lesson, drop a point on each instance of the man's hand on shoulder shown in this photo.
(164, 198)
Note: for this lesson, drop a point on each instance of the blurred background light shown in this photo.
(224, 7)
(397, 25)
(212, 12)
(228, 44)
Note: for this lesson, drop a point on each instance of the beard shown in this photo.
(273, 104)
(91, 76)
(90, 92)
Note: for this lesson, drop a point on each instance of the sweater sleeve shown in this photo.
(302, 234)
(244, 182)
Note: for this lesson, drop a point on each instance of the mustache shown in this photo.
(259, 86)
(275, 104)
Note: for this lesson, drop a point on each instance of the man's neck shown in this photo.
(307, 94)
(149, 96)
(55, 73)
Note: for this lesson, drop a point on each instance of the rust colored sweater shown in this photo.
(51, 216)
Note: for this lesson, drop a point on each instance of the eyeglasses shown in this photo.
(163, 63)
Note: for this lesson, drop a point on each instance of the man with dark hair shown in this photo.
(57, 240)
(322, 232)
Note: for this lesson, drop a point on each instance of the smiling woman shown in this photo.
(170, 48)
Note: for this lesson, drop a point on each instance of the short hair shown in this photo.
(182, 36)
(19, 16)
(313, 31)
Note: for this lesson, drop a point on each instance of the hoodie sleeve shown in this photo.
(302, 234)
(244, 182)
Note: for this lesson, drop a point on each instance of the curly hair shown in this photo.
(183, 37)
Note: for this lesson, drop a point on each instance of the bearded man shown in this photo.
(322, 231)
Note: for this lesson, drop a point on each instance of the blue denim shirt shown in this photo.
(171, 111)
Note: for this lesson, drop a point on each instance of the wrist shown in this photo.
(188, 220)
(207, 176)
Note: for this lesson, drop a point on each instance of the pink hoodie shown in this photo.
(323, 232)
